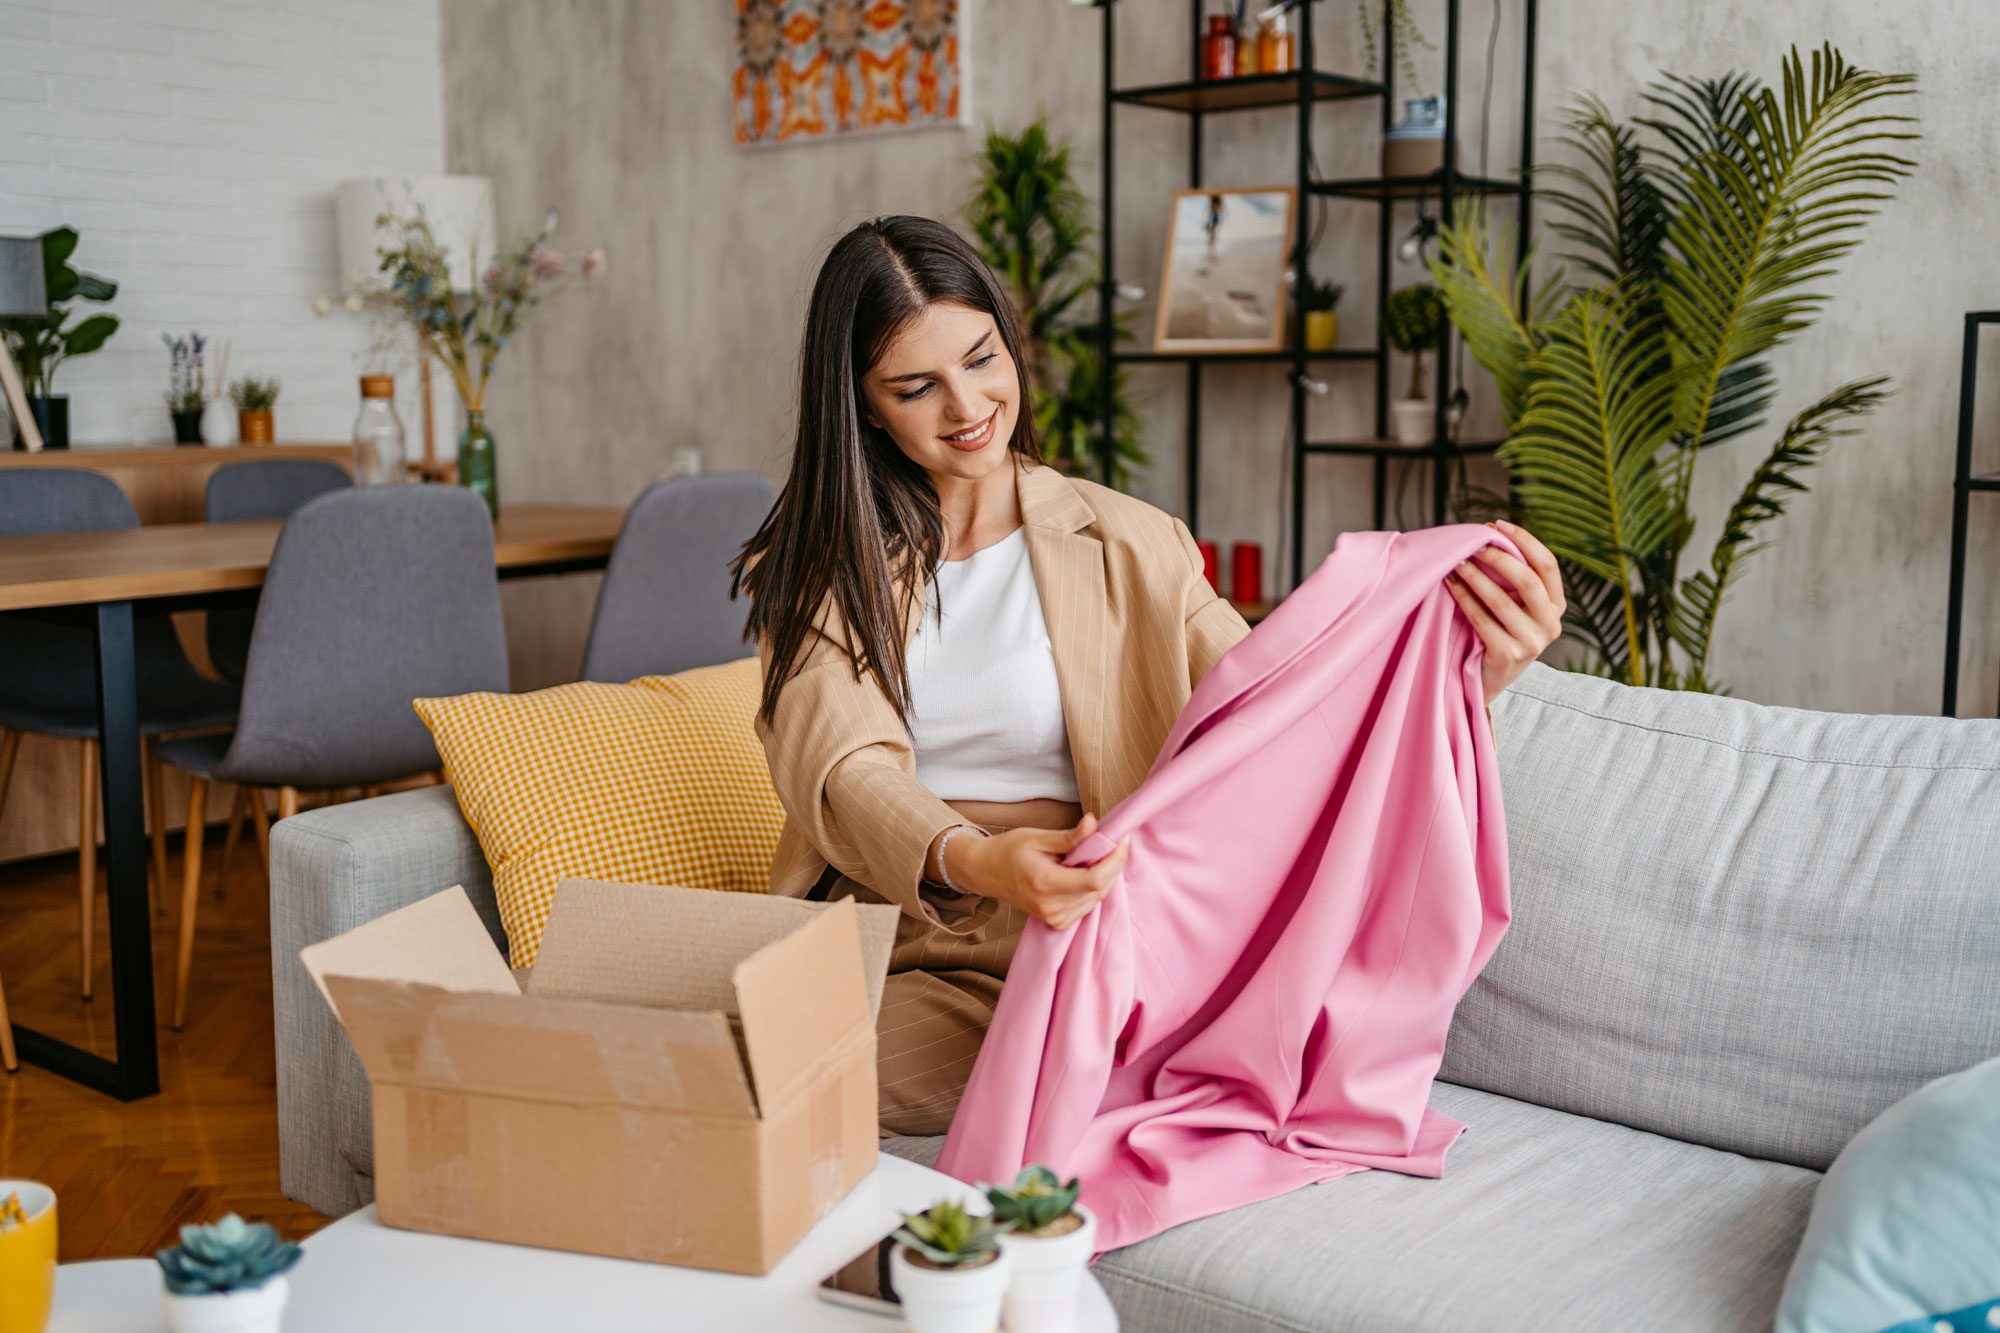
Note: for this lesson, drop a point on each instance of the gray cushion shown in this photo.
(1543, 1221)
(1744, 926)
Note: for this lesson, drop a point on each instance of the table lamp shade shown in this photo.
(23, 293)
(460, 209)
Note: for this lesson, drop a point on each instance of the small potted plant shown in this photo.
(227, 1277)
(1048, 1238)
(1414, 324)
(1322, 319)
(254, 397)
(40, 343)
(184, 385)
(949, 1270)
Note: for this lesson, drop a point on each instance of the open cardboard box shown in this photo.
(685, 1077)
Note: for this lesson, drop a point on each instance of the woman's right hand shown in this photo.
(1024, 867)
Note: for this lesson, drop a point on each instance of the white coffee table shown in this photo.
(359, 1274)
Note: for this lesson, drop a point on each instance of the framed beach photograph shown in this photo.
(1223, 284)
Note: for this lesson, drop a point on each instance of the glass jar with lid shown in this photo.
(378, 434)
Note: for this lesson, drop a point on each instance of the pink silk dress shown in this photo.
(1318, 871)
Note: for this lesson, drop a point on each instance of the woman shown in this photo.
(966, 653)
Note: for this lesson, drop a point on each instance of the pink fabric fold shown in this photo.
(1318, 871)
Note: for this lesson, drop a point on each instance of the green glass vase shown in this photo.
(475, 462)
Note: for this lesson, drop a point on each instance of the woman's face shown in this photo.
(946, 391)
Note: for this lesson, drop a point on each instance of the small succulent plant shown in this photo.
(948, 1236)
(230, 1255)
(1036, 1199)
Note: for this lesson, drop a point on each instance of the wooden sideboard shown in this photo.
(166, 484)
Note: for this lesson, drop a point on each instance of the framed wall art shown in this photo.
(1222, 286)
(814, 70)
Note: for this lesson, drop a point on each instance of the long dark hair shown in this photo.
(857, 516)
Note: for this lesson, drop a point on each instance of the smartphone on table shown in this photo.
(863, 1282)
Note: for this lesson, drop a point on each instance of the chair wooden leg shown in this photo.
(260, 824)
(239, 815)
(10, 745)
(288, 802)
(8, 1060)
(156, 811)
(86, 873)
(190, 894)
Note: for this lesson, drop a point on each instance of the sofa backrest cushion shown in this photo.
(1744, 926)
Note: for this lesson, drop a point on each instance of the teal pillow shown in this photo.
(1905, 1229)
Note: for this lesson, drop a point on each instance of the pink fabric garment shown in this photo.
(1318, 871)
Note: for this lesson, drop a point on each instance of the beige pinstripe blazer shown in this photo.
(1133, 626)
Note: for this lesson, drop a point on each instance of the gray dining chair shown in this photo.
(665, 606)
(268, 488)
(375, 596)
(48, 674)
(248, 493)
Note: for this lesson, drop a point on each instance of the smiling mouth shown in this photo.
(977, 435)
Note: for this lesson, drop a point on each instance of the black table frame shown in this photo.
(135, 1072)
(1962, 486)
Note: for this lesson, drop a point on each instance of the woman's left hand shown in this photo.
(1515, 632)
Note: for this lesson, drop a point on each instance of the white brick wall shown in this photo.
(195, 145)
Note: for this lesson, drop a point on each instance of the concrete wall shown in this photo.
(195, 146)
(619, 111)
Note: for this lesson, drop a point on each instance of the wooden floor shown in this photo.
(127, 1177)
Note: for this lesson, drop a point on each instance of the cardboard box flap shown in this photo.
(542, 1050)
(654, 945)
(439, 941)
(800, 998)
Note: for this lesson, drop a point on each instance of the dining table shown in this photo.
(103, 580)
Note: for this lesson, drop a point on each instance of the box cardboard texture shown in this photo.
(685, 1077)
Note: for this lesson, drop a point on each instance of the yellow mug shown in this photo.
(28, 1259)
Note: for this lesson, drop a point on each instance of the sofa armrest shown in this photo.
(333, 869)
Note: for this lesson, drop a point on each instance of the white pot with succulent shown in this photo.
(949, 1270)
(1048, 1238)
(227, 1278)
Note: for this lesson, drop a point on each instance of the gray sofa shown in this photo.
(1740, 932)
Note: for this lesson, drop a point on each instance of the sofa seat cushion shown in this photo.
(1543, 1221)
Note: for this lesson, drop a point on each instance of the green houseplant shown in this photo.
(229, 1274)
(1028, 221)
(1414, 324)
(254, 396)
(1702, 228)
(1049, 1237)
(1322, 314)
(40, 344)
(948, 1268)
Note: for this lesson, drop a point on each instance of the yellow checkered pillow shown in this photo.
(661, 781)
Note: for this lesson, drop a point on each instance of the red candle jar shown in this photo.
(1246, 572)
(1218, 48)
(1211, 568)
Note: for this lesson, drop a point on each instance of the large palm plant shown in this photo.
(1703, 226)
(1028, 221)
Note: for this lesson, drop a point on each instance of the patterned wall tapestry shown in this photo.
(820, 69)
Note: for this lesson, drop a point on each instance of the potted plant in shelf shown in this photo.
(185, 385)
(40, 343)
(949, 1270)
(1048, 1237)
(1322, 316)
(227, 1276)
(1414, 324)
(254, 396)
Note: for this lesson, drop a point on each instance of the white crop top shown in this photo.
(986, 715)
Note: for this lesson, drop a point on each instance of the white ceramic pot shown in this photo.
(257, 1310)
(949, 1300)
(1047, 1274)
(1412, 421)
(218, 423)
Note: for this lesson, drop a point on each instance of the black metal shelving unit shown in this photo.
(1303, 90)
(1964, 482)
